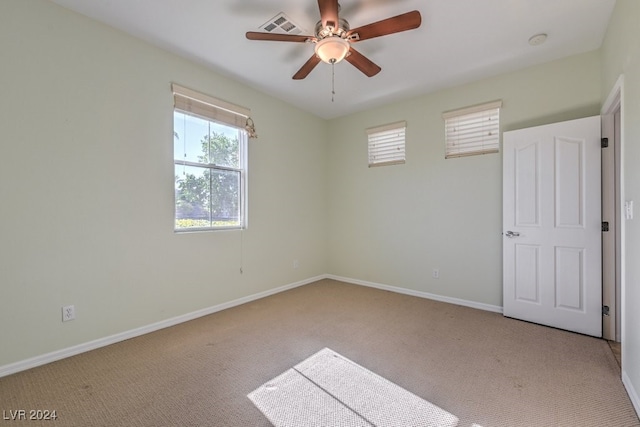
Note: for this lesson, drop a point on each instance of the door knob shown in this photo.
(512, 234)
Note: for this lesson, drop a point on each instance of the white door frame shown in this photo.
(610, 239)
(614, 103)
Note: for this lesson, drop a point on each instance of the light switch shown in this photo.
(628, 209)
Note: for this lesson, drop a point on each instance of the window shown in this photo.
(210, 160)
(473, 130)
(386, 144)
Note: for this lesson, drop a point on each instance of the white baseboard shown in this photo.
(631, 391)
(456, 301)
(33, 362)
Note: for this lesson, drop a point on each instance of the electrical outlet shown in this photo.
(296, 264)
(436, 273)
(68, 313)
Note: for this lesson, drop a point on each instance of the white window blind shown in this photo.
(386, 144)
(473, 130)
(206, 106)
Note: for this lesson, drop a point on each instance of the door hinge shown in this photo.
(604, 142)
(605, 226)
(605, 310)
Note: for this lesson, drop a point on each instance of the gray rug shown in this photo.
(328, 389)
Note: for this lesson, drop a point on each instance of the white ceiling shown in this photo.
(459, 41)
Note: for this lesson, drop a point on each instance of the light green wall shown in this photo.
(86, 187)
(393, 225)
(621, 55)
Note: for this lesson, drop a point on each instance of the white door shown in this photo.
(551, 225)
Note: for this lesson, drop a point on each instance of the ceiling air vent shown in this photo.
(281, 24)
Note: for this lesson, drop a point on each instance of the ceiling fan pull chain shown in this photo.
(333, 79)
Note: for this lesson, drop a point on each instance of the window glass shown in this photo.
(210, 169)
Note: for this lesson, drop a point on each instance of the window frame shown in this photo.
(204, 107)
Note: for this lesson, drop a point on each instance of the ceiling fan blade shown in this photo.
(328, 13)
(307, 68)
(362, 63)
(404, 22)
(252, 35)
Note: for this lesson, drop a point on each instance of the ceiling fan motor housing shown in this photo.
(341, 31)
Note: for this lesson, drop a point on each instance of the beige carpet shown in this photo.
(481, 367)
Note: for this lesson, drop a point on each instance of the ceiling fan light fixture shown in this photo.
(332, 49)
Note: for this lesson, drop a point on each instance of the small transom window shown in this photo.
(473, 130)
(386, 144)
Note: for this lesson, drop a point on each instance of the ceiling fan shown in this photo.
(333, 38)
